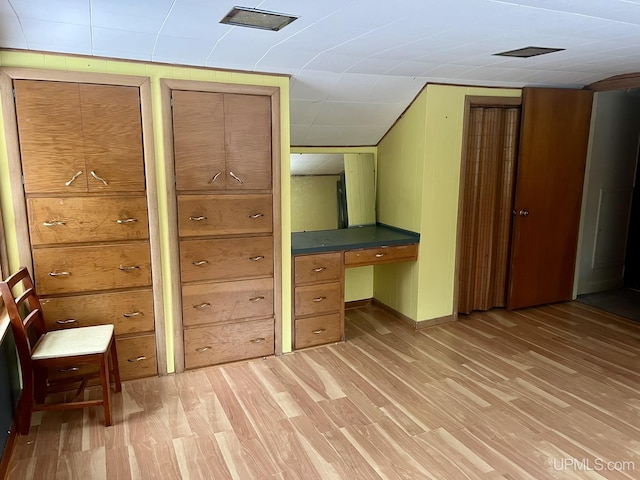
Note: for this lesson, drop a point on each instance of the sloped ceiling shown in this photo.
(355, 65)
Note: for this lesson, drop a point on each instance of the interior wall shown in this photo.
(314, 203)
(609, 177)
(418, 186)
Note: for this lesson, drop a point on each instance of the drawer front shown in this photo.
(322, 267)
(129, 312)
(226, 258)
(201, 215)
(137, 356)
(91, 268)
(318, 330)
(318, 299)
(228, 301)
(375, 256)
(87, 219)
(228, 342)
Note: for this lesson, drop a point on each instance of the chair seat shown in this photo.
(74, 341)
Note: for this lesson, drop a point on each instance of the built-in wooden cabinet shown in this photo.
(81, 153)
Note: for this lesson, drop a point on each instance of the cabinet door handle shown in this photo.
(214, 178)
(203, 349)
(122, 221)
(319, 299)
(70, 369)
(66, 322)
(256, 299)
(54, 223)
(258, 340)
(132, 314)
(73, 179)
(97, 177)
(136, 359)
(199, 263)
(128, 268)
(319, 331)
(319, 269)
(256, 258)
(198, 218)
(202, 305)
(235, 177)
(380, 255)
(59, 274)
(256, 215)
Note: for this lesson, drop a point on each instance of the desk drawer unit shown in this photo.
(310, 331)
(318, 299)
(324, 267)
(380, 255)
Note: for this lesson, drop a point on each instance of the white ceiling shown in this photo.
(317, 163)
(355, 65)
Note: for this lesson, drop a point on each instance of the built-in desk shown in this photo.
(319, 261)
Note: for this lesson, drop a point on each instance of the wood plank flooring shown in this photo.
(548, 392)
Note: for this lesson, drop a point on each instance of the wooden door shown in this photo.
(548, 198)
(198, 140)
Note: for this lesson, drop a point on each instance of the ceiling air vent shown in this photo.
(254, 18)
(527, 52)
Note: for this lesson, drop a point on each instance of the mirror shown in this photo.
(332, 190)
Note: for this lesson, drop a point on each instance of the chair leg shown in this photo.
(115, 367)
(106, 388)
(25, 407)
(40, 384)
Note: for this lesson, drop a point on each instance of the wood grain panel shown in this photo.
(318, 299)
(318, 330)
(198, 140)
(227, 301)
(377, 256)
(317, 268)
(51, 136)
(129, 312)
(202, 215)
(137, 356)
(228, 342)
(226, 258)
(87, 219)
(91, 268)
(112, 132)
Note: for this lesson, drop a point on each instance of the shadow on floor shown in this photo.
(623, 301)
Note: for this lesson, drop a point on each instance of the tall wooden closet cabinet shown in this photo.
(81, 154)
(224, 180)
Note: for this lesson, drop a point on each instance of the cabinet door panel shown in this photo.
(50, 136)
(200, 215)
(87, 219)
(226, 258)
(198, 140)
(248, 141)
(91, 268)
(112, 127)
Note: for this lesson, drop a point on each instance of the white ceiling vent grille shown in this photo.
(254, 18)
(527, 52)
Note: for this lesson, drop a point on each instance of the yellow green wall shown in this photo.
(155, 72)
(418, 165)
(314, 203)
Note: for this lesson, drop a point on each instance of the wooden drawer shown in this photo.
(318, 299)
(318, 330)
(91, 268)
(129, 312)
(226, 258)
(321, 267)
(201, 215)
(137, 356)
(87, 219)
(228, 301)
(228, 342)
(376, 256)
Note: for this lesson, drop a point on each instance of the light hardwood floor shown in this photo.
(548, 392)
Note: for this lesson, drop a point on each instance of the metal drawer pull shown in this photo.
(319, 331)
(137, 359)
(70, 369)
(97, 177)
(319, 299)
(199, 263)
(202, 305)
(319, 269)
(54, 223)
(256, 215)
(122, 221)
(73, 179)
(258, 340)
(59, 274)
(215, 177)
(132, 314)
(380, 255)
(198, 219)
(129, 268)
(203, 349)
(256, 299)
(236, 177)
(255, 259)
(66, 322)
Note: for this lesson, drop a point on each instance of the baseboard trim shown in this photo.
(358, 303)
(415, 325)
(8, 450)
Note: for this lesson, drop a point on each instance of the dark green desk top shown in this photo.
(368, 236)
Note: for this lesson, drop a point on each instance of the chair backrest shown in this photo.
(24, 312)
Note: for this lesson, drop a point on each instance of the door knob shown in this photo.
(524, 213)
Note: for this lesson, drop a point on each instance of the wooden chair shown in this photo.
(40, 350)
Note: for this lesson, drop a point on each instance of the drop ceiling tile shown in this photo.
(303, 111)
(61, 11)
(411, 69)
(144, 16)
(313, 85)
(123, 43)
(353, 114)
(180, 50)
(373, 66)
(196, 19)
(396, 90)
(57, 37)
(353, 87)
(11, 35)
(332, 62)
(287, 57)
(6, 9)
